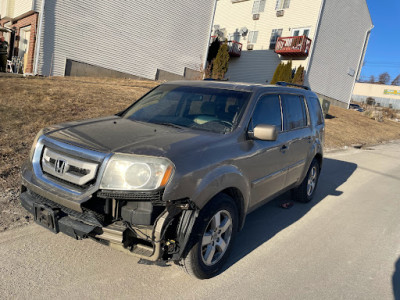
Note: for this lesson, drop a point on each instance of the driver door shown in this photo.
(268, 162)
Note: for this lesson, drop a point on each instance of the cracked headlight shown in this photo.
(136, 172)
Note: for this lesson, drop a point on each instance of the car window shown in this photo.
(203, 108)
(294, 112)
(268, 111)
(315, 110)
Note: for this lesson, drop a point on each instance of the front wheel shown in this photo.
(213, 236)
(306, 190)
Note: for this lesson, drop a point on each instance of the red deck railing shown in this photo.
(293, 46)
(234, 48)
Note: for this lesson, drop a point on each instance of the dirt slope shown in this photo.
(347, 127)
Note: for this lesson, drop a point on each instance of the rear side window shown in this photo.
(268, 111)
(294, 112)
(315, 111)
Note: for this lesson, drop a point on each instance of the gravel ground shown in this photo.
(12, 214)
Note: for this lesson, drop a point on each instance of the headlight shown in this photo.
(135, 172)
(40, 133)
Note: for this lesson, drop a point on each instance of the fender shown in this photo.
(219, 179)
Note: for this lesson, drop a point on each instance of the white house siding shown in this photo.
(233, 16)
(134, 37)
(21, 7)
(255, 66)
(338, 48)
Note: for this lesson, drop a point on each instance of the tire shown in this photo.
(211, 243)
(306, 190)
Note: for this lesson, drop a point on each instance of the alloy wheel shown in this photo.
(216, 238)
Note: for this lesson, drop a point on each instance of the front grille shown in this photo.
(76, 187)
(67, 169)
(88, 216)
(153, 196)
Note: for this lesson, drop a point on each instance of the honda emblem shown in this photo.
(59, 166)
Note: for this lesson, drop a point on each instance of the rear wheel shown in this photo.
(213, 236)
(306, 190)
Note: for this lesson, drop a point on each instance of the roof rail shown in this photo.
(283, 83)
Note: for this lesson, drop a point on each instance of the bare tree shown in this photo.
(372, 79)
(396, 81)
(384, 78)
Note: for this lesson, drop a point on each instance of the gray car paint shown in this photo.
(207, 163)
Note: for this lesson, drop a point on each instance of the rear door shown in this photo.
(298, 133)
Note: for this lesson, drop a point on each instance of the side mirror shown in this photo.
(265, 132)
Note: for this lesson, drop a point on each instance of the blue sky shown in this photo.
(383, 52)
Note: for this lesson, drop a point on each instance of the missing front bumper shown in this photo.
(111, 235)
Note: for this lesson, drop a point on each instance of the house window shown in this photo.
(274, 36)
(282, 4)
(301, 31)
(258, 6)
(252, 37)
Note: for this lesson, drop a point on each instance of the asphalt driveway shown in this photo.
(344, 244)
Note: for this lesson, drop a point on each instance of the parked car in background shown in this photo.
(356, 107)
(173, 176)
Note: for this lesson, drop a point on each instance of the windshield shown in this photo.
(210, 109)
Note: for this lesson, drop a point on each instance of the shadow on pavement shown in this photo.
(270, 219)
(396, 281)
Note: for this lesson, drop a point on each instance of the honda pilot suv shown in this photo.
(172, 177)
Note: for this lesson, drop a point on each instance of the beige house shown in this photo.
(381, 94)
(327, 37)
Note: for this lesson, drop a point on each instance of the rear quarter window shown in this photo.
(314, 107)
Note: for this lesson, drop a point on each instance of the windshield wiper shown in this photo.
(170, 125)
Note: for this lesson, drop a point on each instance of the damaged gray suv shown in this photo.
(172, 177)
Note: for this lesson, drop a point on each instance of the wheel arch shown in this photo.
(238, 198)
(319, 159)
(225, 180)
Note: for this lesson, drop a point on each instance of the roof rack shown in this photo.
(283, 83)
